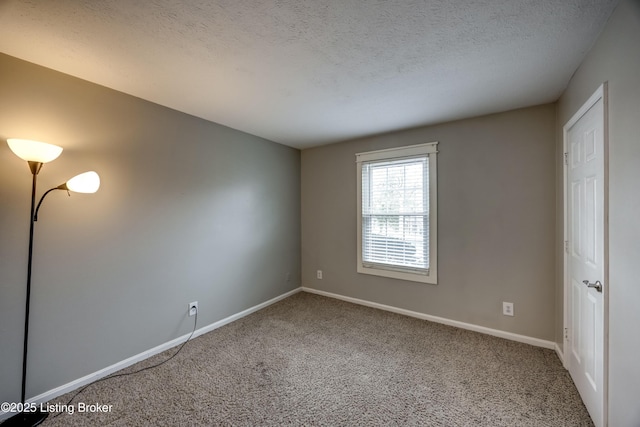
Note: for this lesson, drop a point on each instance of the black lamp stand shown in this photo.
(28, 417)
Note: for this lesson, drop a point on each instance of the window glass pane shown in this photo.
(395, 213)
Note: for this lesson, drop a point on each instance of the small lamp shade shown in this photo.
(34, 151)
(87, 182)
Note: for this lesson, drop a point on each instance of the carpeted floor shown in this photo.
(311, 360)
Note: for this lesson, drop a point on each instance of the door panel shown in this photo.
(590, 326)
(590, 226)
(576, 342)
(576, 242)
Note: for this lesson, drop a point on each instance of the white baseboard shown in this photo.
(73, 385)
(476, 328)
(559, 352)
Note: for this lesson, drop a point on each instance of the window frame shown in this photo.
(398, 272)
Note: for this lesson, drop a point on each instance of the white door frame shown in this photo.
(600, 93)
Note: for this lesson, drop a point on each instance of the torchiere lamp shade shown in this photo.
(34, 151)
(87, 182)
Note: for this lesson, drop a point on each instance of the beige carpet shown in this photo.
(311, 360)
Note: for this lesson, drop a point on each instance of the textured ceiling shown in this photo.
(306, 73)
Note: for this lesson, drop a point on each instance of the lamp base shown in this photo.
(26, 419)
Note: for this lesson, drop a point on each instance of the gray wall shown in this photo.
(616, 58)
(496, 184)
(188, 210)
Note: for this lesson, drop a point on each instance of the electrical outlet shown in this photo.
(507, 308)
(287, 277)
(319, 274)
(193, 308)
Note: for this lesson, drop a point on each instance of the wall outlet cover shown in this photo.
(193, 308)
(507, 308)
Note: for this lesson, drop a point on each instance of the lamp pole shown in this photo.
(29, 416)
(35, 168)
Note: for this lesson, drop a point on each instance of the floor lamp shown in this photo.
(36, 154)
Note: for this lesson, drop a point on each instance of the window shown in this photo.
(397, 221)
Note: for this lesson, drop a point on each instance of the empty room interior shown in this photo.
(320, 213)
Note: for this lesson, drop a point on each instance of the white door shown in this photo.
(585, 254)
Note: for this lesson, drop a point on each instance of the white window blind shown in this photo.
(397, 221)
